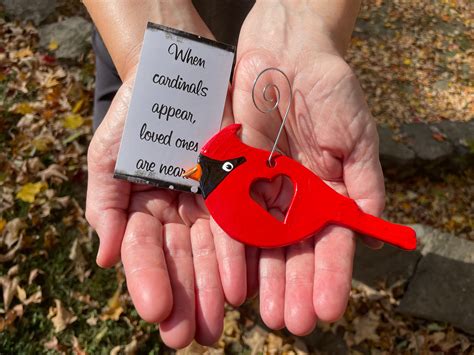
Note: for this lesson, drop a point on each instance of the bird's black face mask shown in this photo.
(214, 171)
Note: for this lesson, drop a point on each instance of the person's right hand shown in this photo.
(329, 130)
(178, 273)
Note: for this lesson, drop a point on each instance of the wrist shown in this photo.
(330, 22)
(122, 25)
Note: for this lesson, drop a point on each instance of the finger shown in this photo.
(300, 317)
(251, 257)
(108, 198)
(272, 287)
(363, 177)
(333, 256)
(232, 269)
(177, 331)
(209, 294)
(145, 267)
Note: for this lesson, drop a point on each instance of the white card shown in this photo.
(177, 105)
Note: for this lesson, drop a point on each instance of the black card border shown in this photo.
(191, 36)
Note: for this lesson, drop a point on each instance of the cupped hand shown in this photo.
(178, 272)
(330, 131)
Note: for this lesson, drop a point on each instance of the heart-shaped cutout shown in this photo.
(274, 195)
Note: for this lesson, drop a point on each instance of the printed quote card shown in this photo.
(177, 105)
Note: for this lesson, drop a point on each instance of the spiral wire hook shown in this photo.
(276, 103)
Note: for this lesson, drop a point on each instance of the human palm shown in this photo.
(330, 131)
(178, 274)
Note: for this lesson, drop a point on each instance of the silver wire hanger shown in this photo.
(276, 103)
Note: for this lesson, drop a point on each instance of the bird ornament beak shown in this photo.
(194, 173)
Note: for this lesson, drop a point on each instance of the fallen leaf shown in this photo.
(60, 317)
(114, 307)
(192, 349)
(77, 107)
(92, 321)
(2, 224)
(36, 297)
(366, 328)
(78, 259)
(29, 191)
(131, 348)
(440, 137)
(20, 293)
(10, 317)
(53, 45)
(10, 255)
(33, 274)
(76, 347)
(23, 53)
(53, 171)
(9, 289)
(22, 108)
(255, 339)
(52, 344)
(73, 121)
(13, 231)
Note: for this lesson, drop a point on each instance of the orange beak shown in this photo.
(194, 173)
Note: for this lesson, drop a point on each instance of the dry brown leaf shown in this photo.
(14, 270)
(92, 321)
(53, 171)
(9, 287)
(131, 348)
(255, 339)
(20, 293)
(76, 347)
(36, 297)
(33, 274)
(23, 53)
(12, 252)
(2, 224)
(78, 259)
(13, 231)
(10, 317)
(274, 343)
(52, 344)
(114, 307)
(366, 327)
(192, 349)
(60, 316)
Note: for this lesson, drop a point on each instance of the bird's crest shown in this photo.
(225, 144)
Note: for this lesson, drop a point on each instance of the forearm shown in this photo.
(122, 24)
(326, 23)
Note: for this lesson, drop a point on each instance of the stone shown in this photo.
(27, 10)
(387, 265)
(460, 134)
(442, 287)
(392, 153)
(325, 342)
(420, 140)
(73, 36)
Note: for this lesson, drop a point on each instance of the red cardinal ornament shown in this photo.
(226, 170)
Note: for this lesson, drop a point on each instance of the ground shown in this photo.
(414, 64)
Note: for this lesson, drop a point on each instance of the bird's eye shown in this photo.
(227, 166)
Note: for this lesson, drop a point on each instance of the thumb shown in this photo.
(108, 198)
(363, 177)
